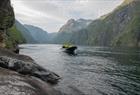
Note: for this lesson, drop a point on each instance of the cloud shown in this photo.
(52, 14)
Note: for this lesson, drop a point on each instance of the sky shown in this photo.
(50, 15)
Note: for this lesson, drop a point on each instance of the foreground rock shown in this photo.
(20, 75)
(25, 65)
(13, 83)
(28, 68)
(27, 78)
(9, 53)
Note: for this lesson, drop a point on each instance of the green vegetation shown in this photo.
(6, 18)
(131, 34)
(120, 28)
(14, 37)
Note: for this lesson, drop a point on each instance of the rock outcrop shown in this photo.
(20, 75)
(6, 19)
(28, 68)
(13, 83)
(9, 35)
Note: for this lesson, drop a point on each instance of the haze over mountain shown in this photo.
(118, 28)
(75, 25)
(37, 33)
(67, 31)
(33, 34)
(26, 34)
(50, 15)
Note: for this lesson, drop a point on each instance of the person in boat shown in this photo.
(67, 45)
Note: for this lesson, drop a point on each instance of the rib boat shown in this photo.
(69, 48)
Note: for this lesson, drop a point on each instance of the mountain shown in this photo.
(121, 27)
(75, 25)
(51, 37)
(32, 34)
(26, 34)
(67, 31)
(37, 33)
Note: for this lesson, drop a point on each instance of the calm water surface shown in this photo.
(93, 71)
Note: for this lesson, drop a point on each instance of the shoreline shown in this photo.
(38, 81)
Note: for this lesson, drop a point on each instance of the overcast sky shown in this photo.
(52, 14)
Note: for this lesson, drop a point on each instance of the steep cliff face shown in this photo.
(9, 35)
(118, 28)
(6, 19)
(75, 25)
(130, 31)
(67, 32)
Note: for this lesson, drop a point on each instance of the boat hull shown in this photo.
(70, 50)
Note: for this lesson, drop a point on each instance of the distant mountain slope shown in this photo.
(67, 31)
(51, 37)
(26, 34)
(118, 28)
(37, 33)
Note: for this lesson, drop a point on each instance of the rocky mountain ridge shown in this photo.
(118, 28)
(75, 25)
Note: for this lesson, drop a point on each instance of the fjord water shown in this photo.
(93, 71)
